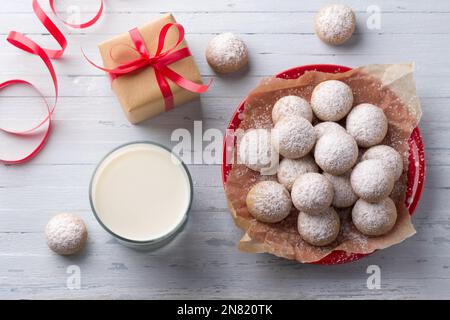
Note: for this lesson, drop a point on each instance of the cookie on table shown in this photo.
(227, 53)
(66, 234)
(335, 24)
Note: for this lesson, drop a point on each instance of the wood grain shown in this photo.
(203, 261)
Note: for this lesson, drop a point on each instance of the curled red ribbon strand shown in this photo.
(159, 62)
(24, 43)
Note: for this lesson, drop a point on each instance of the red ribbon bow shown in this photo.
(24, 43)
(159, 62)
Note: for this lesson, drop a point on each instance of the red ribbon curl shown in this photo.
(24, 43)
(159, 62)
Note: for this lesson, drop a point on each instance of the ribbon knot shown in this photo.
(160, 62)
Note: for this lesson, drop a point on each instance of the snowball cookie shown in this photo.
(336, 153)
(374, 219)
(371, 180)
(293, 137)
(331, 100)
(269, 201)
(312, 193)
(289, 106)
(291, 169)
(391, 158)
(226, 53)
(335, 24)
(319, 230)
(66, 234)
(344, 196)
(255, 150)
(367, 124)
(327, 127)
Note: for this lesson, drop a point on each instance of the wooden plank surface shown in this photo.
(203, 261)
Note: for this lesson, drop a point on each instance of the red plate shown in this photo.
(416, 169)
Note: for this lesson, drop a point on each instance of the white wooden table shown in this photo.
(203, 261)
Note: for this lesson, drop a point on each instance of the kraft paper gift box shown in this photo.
(138, 92)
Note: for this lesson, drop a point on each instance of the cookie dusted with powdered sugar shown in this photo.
(331, 100)
(319, 230)
(66, 234)
(291, 106)
(227, 53)
(374, 219)
(335, 24)
(368, 124)
(312, 193)
(336, 153)
(269, 201)
(293, 137)
(371, 181)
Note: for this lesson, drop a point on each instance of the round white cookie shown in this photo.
(371, 180)
(331, 100)
(255, 150)
(374, 219)
(66, 234)
(293, 137)
(336, 153)
(226, 53)
(291, 106)
(319, 230)
(368, 124)
(312, 193)
(335, 23)
(268, 201)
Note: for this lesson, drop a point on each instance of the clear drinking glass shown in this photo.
(151, 243)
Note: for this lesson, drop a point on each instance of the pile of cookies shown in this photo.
(339, 162)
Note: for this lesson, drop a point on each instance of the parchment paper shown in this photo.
(392, 88)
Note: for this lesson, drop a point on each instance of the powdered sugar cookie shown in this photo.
(331, 100)
(312, 193)
(269, 201)
(335, 23)
(367, 124)
(293, 137)
(327, 127)
(226, 53)
(291, 106)
(336, 153)
(66, 234)
(374, 219)
(319, 230)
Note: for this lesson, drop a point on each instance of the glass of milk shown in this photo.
(141, 194)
